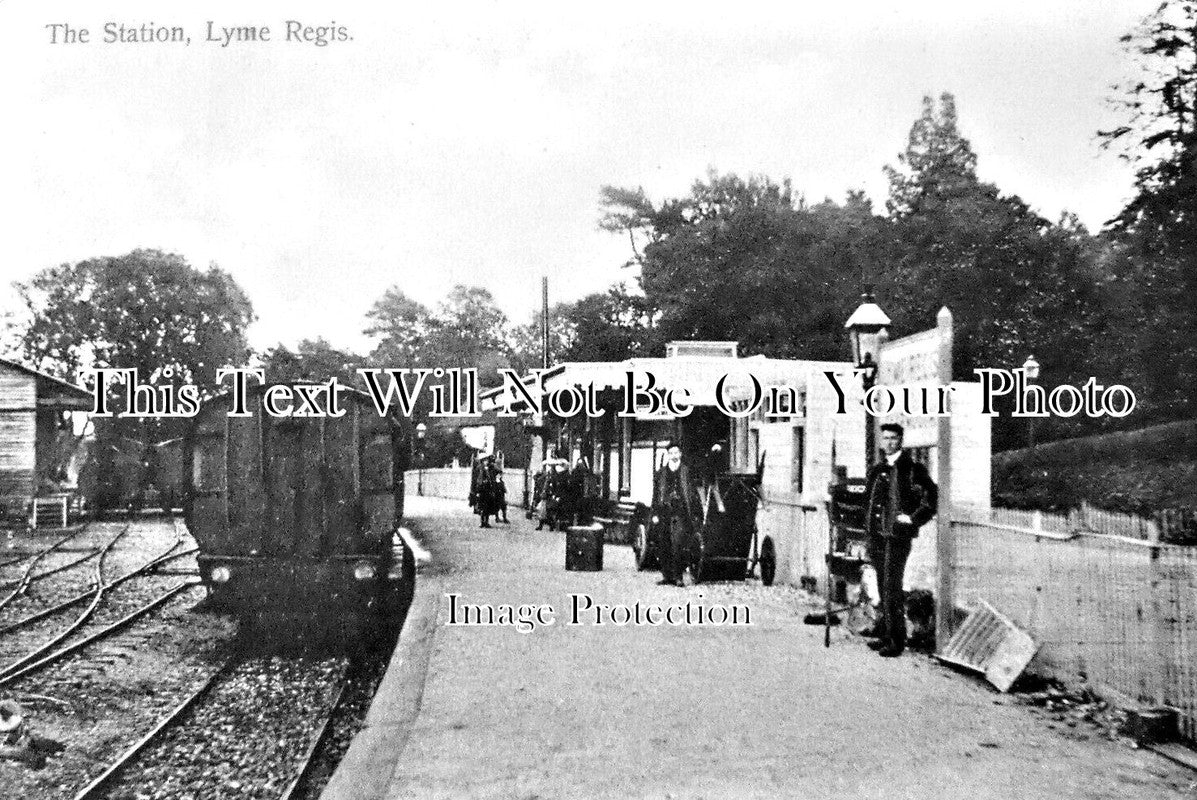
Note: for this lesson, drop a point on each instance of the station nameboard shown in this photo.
(912, 361)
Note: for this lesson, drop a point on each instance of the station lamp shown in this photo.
(1030, 368)
(865, 328)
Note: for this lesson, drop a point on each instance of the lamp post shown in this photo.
(1030, 368)
(421, 430)
(867, 330)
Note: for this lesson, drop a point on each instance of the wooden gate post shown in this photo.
(945, 546)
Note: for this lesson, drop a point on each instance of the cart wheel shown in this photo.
(768, 563)
(640, 545)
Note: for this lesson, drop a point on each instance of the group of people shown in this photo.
(901, 498)
(563, 496)
(488, 493)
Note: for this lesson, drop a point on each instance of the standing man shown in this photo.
(901, 498)
(674, 505)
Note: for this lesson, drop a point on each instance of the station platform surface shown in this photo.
(686, 711)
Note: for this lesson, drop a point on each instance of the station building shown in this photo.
(41, 446)
(798, 435)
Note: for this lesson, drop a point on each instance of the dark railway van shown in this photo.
(298, 515)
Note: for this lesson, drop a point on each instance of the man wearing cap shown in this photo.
(901, 499)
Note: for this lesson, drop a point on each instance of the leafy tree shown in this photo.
(527, 341)
(147, 310)
(611, 326)
(1157, 230)
(404, 326)
(939, 163)
(747, 260)
(467, 330)
(313, 360)
(470, 329)
(1159, 135)
(960, 242)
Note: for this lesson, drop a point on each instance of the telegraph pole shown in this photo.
(544, 322)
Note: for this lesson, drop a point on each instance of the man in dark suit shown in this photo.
(901, 499)
(674, 504)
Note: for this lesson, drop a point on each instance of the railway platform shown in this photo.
(700, 707)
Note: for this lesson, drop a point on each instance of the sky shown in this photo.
(466, 142)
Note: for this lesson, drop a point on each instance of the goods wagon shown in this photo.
(298, 515)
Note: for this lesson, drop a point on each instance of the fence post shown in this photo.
(64, 511)
(1161, 613)
(945, 546)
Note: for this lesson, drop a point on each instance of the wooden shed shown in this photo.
(36, 435)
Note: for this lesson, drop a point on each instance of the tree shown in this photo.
(313, 360)
(1157, 230)
(958, 241)
(527, 339)
(611, 326)
(404, 325)
(747, 260)
(467, 330)
(1016, 283)
(938, 163)
(147, 310)
(1160, 132)
(470, 329)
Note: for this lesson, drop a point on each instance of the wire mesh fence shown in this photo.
(1111, 610)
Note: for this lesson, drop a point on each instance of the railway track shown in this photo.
(251, 724)
(70, 534)
(153, 566)
(52, 649)
(33, 663)
(28, 576)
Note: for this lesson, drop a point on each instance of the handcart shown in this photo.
(728, 545)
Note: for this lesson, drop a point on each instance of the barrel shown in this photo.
(584, 548)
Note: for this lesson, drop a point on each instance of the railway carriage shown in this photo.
(298, 515)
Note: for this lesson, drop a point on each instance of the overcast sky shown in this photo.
(466, 142)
